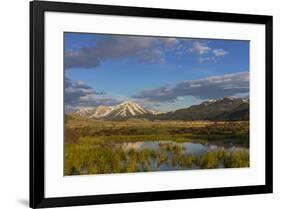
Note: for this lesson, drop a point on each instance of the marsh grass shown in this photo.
(93, 147)
(98, 158)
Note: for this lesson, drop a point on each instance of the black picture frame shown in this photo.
(37, 196)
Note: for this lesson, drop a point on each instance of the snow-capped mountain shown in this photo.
(127, 109)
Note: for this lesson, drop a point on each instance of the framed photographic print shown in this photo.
(135, 104)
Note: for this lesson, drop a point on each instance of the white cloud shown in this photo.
(199, 48)
(219, 52)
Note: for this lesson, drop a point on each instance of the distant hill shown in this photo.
(221, 109)
(239, 113)
(225, 109)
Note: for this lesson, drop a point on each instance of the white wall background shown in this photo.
(14, 104)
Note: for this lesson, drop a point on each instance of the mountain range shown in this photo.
(225, 109)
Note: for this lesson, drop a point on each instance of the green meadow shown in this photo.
(138, 145)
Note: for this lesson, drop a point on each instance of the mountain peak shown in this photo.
(129, 109)
(128, 102)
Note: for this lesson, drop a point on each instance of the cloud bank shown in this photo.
(78, 94)
(206, 88)
(114, 47)
(144, 49)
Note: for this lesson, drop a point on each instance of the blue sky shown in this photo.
(161, 73)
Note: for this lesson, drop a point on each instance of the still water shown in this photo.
(189, 148)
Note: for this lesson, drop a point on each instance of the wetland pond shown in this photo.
(101, 157)
(170, 155)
